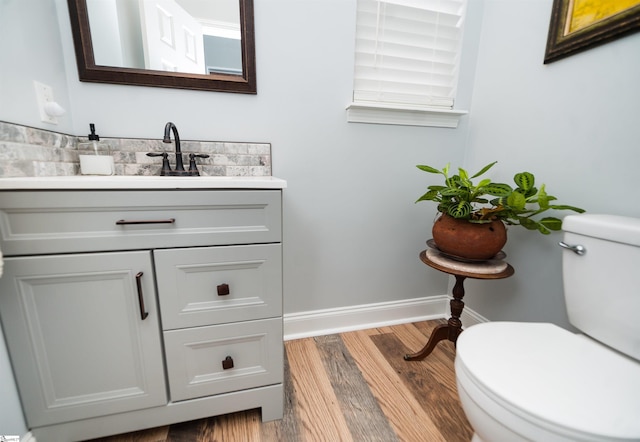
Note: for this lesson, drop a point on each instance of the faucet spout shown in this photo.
(169, 127)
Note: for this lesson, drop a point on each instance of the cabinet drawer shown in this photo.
(37, 222)
(193, 284)
(195, 357)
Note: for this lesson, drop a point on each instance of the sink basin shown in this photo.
(141, 182)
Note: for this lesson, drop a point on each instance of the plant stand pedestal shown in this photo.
(453, 327)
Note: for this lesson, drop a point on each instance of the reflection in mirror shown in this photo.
(191, 44)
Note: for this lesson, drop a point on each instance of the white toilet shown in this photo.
(540, 382)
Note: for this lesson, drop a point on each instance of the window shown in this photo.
(406, 62)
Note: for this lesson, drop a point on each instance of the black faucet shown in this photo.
(179, 170)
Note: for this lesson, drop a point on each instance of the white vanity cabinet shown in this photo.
(129, 309)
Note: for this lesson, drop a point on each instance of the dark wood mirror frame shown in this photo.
(89, 71)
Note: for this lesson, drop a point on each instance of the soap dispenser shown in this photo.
(95, 155)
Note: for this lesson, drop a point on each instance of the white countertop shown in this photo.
(79, 182)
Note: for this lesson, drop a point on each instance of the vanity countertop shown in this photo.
(78, 182)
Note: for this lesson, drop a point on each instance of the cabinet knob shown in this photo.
(223, 289)
(227, 363)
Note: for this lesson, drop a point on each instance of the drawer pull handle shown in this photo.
(223, 289)
(121, 222)
(143, 313)
(227, 363)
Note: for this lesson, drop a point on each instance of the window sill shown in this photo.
(404, 116)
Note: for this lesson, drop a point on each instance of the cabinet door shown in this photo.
(79, 340)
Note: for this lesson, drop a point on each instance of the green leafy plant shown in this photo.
(485, 201)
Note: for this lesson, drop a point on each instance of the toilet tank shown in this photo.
(601, 287)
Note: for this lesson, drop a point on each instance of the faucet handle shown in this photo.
(193, 168)
(166, 168)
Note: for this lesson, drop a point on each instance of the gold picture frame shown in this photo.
(577, 25)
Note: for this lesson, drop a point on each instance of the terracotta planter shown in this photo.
(463, 239)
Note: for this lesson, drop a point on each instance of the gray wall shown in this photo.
(30, 49)
(352, 231)
(574, 123)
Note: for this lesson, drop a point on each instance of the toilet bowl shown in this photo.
(540, 382)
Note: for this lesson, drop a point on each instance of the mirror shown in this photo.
(186, 44)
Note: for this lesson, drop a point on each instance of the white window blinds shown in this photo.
(408, 52)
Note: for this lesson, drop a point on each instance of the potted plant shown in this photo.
(472, 224)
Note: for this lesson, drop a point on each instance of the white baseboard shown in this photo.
(360, 317)
(470, 317)
(28, 438)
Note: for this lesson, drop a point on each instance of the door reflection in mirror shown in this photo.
(189, 36)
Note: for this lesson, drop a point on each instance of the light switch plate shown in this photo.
(44, 95)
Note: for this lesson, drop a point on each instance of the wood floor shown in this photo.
(354, 386)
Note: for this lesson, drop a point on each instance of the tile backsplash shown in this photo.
(26, 151)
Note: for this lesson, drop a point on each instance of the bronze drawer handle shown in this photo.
(143, 313)
(223, 290)
(147, 221)
(227, 363)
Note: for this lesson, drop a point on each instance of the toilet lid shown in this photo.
(565, 380)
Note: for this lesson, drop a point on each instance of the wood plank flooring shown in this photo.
(352, 386)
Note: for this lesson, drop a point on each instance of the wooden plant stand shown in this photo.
(453, 327)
